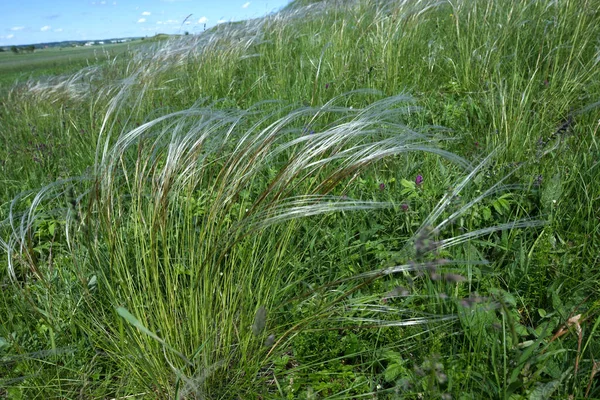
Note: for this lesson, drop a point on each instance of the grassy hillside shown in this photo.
(342, 200)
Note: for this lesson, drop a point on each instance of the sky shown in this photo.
(39, 21)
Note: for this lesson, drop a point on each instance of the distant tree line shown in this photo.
(22, 49)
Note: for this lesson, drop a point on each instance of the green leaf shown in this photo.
(393, 371)
(487, 213)
(122, 311)
(408, 184)
(393, 357)
(542, 312)
(544, 391)
(52, 228)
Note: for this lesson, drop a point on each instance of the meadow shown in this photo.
(357, 199)
(57, 61)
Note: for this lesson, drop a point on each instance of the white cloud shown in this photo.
(141, 20)
(102, 2)
(159, 22)
(17, 28)
(58, 30)
(146, 13)
(246, 5)
(45, 28)
(10, 36)
(187, 22)
(114, 3)
(221, 21)
(203, 20)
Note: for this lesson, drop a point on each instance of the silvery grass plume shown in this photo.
(150, 62)
(151, 67)
(188, 222)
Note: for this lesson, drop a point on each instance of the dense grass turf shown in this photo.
(342, 200)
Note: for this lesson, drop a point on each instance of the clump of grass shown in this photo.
(190, 219)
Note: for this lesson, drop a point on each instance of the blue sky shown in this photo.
(38, 21)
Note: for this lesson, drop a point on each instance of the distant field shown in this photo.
(56, 61)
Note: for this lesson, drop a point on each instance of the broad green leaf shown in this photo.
(407, 184)
(393, 371)
(544, 391)
(487, 213)
(52, 228)
(542, 312)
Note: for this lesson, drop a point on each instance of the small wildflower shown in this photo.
(327, 86)
(308, 130)
(419, 180)
(404, 207)
(382, 186)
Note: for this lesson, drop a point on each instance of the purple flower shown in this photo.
(327, 86)
(382, 186)
(419, 180)
(308, 130)
(404, 207)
